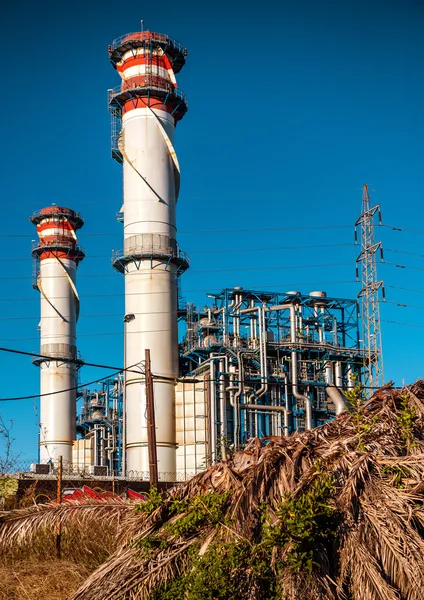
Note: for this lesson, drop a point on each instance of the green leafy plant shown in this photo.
(362, 422)
(305, 523)
(405, 420)
(223, 573)
(196, 512)
(154, 501)
(397, 474)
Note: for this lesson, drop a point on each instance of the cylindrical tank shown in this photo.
(57, 255)
(147, 107)
(318, 294)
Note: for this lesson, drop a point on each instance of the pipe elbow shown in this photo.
(336, 397)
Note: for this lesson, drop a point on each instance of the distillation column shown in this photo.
(57, 257)
(145, 110)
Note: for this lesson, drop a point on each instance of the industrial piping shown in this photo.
(145, 110)
(57, 255)
(294, 368)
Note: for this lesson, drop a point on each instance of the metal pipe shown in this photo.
(262, 407)
(297, 394)
(332, 391)
(263, 357)
(294, 372)
(213, 413)
(213, 357)
(322, 327)
(336, 397)
(294, 369)
(96, 441)
(288, 415)
(236, 404)
(350, 377)
(300, 318)
(236, 317)
(335, 334)
(222, 410)
(224, 327)
(328, 369)
(262, 351)
(339, 374)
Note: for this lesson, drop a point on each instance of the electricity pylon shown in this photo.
(373, 371)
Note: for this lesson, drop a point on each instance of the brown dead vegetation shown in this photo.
(336, 513)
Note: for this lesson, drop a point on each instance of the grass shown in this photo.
(34, 580)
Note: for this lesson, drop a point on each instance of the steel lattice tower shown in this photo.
(373, 376)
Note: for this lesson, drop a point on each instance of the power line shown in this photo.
(215, 251)
(245, 230)
(399, 266)
(401, 304)
(403, 324)
(234, 269)
(405, 289)
(403, 229)
(254, 287)
(403, 252)
(91, 335)
(35, 396)
(86, 364)
(198, 231)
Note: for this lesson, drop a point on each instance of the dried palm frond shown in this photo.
(89, 530)
(335, 512)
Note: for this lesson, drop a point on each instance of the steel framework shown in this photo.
(257, 364)
(373, 376)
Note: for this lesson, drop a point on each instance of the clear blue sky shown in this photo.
(292, 107)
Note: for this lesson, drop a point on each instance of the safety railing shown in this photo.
(57, 211)
(147, 36)
(59, 242)
(149, 244)
(151, 82)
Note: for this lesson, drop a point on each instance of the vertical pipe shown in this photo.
(194, 428)
(329, 375)
(339, 374)
(288, 415)
(295, 391)
(222, 409)
(213, 411)
(96, 445)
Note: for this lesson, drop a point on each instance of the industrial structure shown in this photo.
(145, 109)
(373, 372)
(57, 256)
(260, 364)
(250, 364)
(98, 450)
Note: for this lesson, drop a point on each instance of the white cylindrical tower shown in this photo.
(57, 257)
(145, 109)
